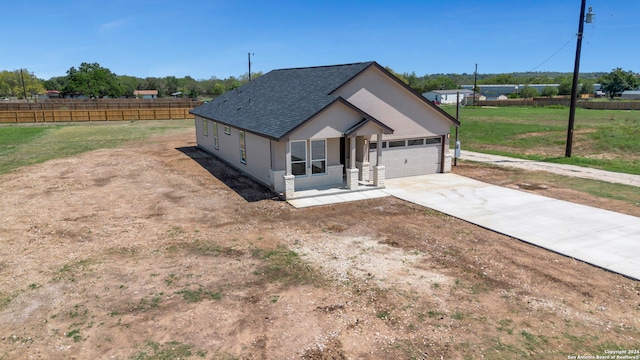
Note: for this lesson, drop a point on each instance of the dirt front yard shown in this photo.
(157, 251)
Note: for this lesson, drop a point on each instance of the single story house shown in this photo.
(340, 125)
(145, 94)
(446, 96)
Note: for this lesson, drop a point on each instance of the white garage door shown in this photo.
(409, 157)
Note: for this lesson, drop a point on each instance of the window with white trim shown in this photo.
(227, 130)
(243, 148)
(433, 140)
(205, 127)
(299, 158)
(318, 157)
(415, 142)
(396, 143)
(215, 136)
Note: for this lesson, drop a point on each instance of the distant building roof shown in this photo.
(145, 92)
(461, 91)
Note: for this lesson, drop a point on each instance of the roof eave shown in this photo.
(271, 137)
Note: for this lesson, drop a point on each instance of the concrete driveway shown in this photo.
(603, 238)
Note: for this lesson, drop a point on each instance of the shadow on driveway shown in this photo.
(243, 185)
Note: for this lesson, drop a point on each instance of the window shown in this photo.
(205, 127)
(396, 143)
(215, 136)
(415, 142)
(299, 158)
(227, 130)
(243, 149)
(318, 156)
(372, 146)
(433, 141)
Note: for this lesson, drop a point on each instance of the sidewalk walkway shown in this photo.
(561, 169)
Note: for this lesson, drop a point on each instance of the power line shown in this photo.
(554, 54)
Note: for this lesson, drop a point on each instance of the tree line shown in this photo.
(93, 80)
(613, 83)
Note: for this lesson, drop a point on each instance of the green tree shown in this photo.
(440, 82)
(171, 84)
(617, 81)
(564, 85)
(399, 76)
(506, 79)
(8, 83)
(587, 87)
(528, 92)
(549, 91)
(56, 83)
(129, 85)
(17, 82)
(93, 80)
(153, 83)
(217, 89)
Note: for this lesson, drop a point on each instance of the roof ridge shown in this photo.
(325, 66)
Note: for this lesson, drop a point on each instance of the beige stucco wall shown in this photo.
(389, 102)
(204, 142)
(278, 161)
(330, 123)
(258, 150)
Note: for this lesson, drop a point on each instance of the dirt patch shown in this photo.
(159, 251)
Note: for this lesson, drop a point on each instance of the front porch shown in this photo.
(338, 193)
(339, 163)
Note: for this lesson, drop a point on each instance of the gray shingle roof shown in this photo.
(276, 103)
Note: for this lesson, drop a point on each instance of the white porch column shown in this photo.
(363, 166)
(378, 169)
(352, 171)
(379, 148)
(289, 178)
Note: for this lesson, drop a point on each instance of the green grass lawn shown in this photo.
(605, 139)
(23, 145)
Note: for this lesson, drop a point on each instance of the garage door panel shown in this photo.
(411, 160)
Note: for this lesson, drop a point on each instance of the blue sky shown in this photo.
(211, 38)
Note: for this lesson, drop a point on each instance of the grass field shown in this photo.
(24, 145)
(604, 139)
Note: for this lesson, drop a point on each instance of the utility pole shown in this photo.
(24, 88)
(576, 72)
(475, 85)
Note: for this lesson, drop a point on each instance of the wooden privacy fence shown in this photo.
(97, 105)
(38, 116)
(596, 105)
